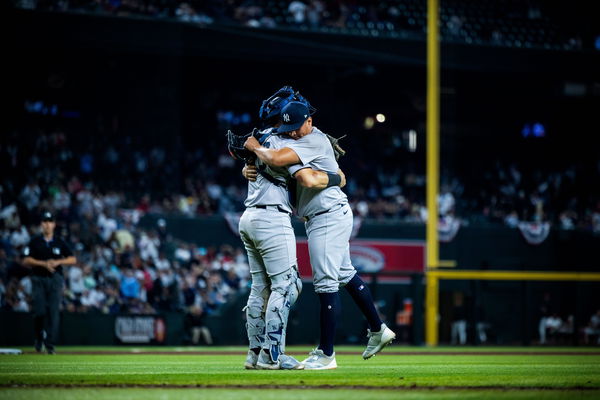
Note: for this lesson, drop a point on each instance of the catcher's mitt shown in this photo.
(235, 145)
(337, 150)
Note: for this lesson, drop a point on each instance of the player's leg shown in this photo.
(54, 296)
(454, 333)
(277, 244)
(206, 335)
(259, 292)
(462, 331)
(378, 333)
(285, 289)
(542, 329)
(39, 311)
(255, 316)
(325, 257)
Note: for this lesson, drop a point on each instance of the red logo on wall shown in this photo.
(369, 256)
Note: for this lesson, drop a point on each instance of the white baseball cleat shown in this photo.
(283, 362)
(378, 340)
(289, 362)
(318, 360)
(251, 360)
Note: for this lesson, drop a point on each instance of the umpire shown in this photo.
(45, 255)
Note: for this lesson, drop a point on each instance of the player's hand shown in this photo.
(343, 182)
(51, 265)
(251, 143)
(250, 172)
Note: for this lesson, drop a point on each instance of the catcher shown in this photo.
(266, 231)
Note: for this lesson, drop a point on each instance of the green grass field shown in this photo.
(217, 373)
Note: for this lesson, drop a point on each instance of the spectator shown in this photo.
(298, 11)
(459, 320)
(592, 329)
(130, 287)
(196, 326)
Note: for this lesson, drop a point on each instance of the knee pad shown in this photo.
(288, 286)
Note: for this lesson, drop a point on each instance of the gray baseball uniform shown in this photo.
(266, 230)
(327, 213)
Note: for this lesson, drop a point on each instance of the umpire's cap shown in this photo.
(293, 116)
(47, 216)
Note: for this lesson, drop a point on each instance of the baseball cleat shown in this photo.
(265, 362)
(378, 340)
(251, 360)
(317, 360)
(289, 362)
(284, 362)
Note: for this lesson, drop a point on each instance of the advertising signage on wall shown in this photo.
(140, 329)
(374, 256)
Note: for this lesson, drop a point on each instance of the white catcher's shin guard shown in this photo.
(285, 289)
(255, 314)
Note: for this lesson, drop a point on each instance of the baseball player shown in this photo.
(328, 226)
(266, 231)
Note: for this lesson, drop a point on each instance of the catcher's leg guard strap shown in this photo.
(285, 289)
(255, 311)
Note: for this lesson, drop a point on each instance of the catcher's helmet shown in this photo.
(270, 110)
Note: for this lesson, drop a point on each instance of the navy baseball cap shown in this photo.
(293, 116)
(47, 216)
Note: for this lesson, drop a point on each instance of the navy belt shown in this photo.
(322, 212)
(278, 208)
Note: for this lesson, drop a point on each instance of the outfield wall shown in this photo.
(474, 247)
(227, 326)
(511, 309)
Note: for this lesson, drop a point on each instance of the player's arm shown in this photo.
(273, 157)
(70, 260)
(313, 179)
(33, 262)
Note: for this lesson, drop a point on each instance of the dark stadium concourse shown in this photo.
(115, 119)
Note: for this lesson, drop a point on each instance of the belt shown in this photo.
(266, 207)
(306, 219)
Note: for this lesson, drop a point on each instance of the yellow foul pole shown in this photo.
(433, 167)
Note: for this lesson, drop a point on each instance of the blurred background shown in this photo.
(114, 118)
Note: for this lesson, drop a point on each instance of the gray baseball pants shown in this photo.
(329, 247)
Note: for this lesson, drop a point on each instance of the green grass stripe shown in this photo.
(274, 394)
(304, 349)
(391, 371)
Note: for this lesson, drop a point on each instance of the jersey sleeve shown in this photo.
(307, 148)
(32, 249)
(292, 169)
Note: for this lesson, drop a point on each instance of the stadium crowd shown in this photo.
(54, 171)
(121, 268)
(125, 269)
(531, 24)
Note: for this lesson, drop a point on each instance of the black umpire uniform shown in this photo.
(47, 281)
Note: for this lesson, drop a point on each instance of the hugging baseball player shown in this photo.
(328, 222)
(266, 231)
